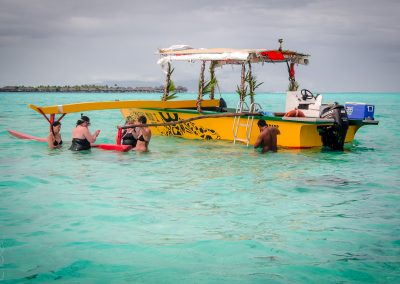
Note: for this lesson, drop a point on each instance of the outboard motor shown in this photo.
(334, 136)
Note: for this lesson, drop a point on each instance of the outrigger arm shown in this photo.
(51, 118)
(50, 112)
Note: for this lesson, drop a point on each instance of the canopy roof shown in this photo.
(229, 55)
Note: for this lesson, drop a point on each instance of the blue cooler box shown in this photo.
(360, 111)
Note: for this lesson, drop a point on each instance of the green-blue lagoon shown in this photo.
(197, 211)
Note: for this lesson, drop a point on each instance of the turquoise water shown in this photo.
(197, 211)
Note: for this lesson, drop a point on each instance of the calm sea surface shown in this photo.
(197, 211)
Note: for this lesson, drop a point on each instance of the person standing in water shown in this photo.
(81, 136)
(144, 136)
(267, 139)
(129, 135)
(54, 138)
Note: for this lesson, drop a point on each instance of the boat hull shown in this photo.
(294, 132)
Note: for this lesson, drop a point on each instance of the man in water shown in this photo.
(267, 137)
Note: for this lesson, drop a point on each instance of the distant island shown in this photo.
(89, 89)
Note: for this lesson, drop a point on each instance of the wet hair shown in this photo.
(83, 119)
(261, 123)
(142, 119)
(54, 124)
(129, 121)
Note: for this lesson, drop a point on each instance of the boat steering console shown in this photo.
(306, 94)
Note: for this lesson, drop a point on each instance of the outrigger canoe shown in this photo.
(209, 119)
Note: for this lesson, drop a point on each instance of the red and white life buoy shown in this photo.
(294, 113)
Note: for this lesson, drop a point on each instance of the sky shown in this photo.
(354, 44)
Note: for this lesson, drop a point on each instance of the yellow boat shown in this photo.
(295, 132)
(315, 129)
(306, 123)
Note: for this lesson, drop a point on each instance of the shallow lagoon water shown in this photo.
(197, 211)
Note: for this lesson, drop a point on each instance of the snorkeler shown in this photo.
(81, 137)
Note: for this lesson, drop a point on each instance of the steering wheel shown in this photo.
(306, 94)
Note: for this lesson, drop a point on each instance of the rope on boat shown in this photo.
(191, 119)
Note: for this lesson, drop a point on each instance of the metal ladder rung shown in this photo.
(242, 107)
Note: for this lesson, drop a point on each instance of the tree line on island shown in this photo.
(89, 89)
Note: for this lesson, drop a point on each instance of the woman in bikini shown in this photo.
(54, 138)
(144, 136)
(129, 135)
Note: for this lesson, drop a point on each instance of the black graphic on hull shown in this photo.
(178, 129)
(185, 128)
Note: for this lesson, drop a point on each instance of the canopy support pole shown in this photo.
(242, 83)
(212, 79)
(201, 86)
(293, 85)
(167, 83)
(251, 84)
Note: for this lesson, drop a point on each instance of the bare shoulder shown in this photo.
(50, 138)
(147, 131)
(274, 130)
(265, 130)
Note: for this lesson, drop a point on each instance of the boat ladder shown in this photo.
(247, 122)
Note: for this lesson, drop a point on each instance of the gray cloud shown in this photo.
(354, 44)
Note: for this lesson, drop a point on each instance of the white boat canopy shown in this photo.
(229, 56)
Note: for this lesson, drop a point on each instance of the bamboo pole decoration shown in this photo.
(167, 83)
(192, 119)
(201, 86)
(242, 82)
(212, 79)
(251, 84)
(293, 85)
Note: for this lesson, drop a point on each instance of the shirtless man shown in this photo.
(267, 137)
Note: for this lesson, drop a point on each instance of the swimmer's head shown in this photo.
(142, 119)
(261, 123)
(83, 119)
